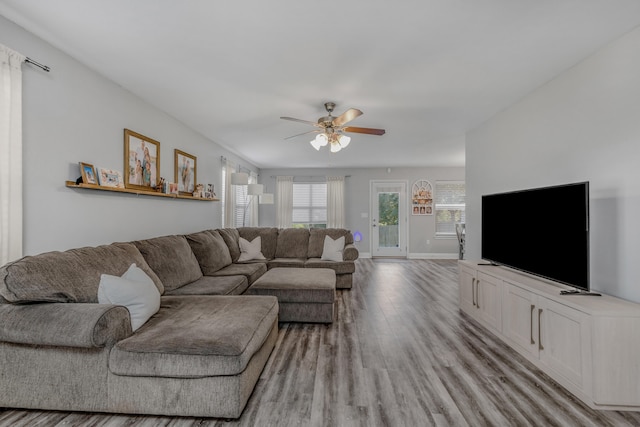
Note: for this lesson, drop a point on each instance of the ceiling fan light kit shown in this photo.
(331, 129)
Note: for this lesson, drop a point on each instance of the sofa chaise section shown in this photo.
(209, 345)
(62, 350)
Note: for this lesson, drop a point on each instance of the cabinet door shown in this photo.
(519, 315)
(565, 342)
(488, 300)
(468, 290)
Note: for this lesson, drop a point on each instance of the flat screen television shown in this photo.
(540, 231)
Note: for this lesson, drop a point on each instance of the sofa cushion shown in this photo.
(133, 290)
(210, 250)
(208, 285)
(332, 250)
(269, 236)
(292, 243)
(172, 259)
(317, 235)
(199, 336)
(250, 270)
(70, 276)
(297, 285)
(250, 250)
(286, 262)
(343, 267)
(232, 239)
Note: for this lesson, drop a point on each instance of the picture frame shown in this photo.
(141, 161)
(110, 178)
(422, 198)
(185, 172)
(88, 173)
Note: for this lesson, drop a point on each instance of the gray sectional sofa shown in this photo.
(200, 354)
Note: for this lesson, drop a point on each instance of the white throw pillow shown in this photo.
(134, 290)
(332, 249)
(250, 250)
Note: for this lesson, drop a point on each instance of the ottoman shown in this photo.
(304, 294)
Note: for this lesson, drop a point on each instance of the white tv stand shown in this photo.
(588, 344)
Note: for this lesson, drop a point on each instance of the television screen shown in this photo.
(542, 231)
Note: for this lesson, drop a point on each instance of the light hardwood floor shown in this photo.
(399, 353)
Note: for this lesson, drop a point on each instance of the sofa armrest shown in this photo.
(64, 324)
(350, 252)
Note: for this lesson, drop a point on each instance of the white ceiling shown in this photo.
(424, 70)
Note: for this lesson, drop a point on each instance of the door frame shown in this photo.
(403, 223)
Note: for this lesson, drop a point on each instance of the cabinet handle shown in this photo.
(533, 307)
(478, 293)
(540, 346)
(473, 291)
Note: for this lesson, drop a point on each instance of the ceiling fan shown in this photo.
(331, 129)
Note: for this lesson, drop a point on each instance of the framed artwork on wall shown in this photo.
(141, 161)
(88, 173)
(110, 178)
(422, 198)
(185, 169)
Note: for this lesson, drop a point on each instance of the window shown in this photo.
(309, 205)
(450, 207)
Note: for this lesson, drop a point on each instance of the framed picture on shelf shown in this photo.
(110, 178)
(88, 173)
(185, 172)
(422, 198)
(141, 161)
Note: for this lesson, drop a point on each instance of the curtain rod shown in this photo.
(37, 64)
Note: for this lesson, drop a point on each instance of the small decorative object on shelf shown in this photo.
(209, 194)
(199, 191)
(160, 187)
(88, 173)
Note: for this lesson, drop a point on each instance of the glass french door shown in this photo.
(388, 219)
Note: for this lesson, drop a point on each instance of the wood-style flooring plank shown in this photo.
(399, 353)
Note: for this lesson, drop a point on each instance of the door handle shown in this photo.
(473, 291)
(540, 346)
(478, 293)
(533, 307)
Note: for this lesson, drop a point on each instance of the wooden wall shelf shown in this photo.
(72, 184)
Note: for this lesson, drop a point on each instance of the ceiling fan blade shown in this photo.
(303, 133)
(369, 131)
(347, 116)
(301, 121)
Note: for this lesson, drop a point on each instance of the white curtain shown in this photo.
(10, 155)
(284, 201)
(335, 202)
(228, 195)
(252, 218)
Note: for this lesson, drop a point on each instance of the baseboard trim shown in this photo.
(418, 255)
(430, 255)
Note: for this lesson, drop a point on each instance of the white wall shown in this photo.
(421, 228)
(73, 114)
(582, 126)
